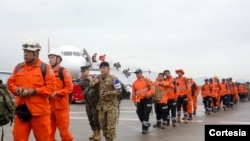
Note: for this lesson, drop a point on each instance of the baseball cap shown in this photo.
(138, 71)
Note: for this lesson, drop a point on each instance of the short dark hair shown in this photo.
(166, 71)
(161, 74)
(1, 81)
(104, 64)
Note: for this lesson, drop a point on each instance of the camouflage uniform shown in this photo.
(91, 97)
(108, 105)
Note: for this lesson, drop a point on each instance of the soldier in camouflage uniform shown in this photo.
(91, 97)
(109, 87)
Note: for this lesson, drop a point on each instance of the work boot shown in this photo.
(165, 124)
(173, 123)
(108, 139)
(145, 129)
(157, 125)
(178, 119)
(190, 117)
(92, 136)
(97, 135)
(185, 119)
(194, 113)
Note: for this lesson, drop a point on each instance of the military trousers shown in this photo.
(108, 121)
(92, 114)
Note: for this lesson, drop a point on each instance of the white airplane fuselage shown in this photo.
(72, 60)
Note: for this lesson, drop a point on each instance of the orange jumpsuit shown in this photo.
(192, 98)
(60, 106)
(206, 94)
(182, 90)
(215, 93)
(39, 106)
(223, 95)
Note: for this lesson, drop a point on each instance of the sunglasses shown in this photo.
(32, 46)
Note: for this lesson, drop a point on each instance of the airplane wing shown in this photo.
(6, 72)
(4, 75)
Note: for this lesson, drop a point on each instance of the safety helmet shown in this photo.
(32, 45)
(189, 78)
(215, 77)
(55, 52)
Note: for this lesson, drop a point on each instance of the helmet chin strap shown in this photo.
(56, 62)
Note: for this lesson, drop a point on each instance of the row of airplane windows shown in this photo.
(70, 53)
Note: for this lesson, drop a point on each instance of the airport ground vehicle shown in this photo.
(77, 95)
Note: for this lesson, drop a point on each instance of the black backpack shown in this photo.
(43, 70)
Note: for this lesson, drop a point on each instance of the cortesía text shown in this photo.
(213, 132)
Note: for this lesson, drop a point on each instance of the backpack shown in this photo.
(43, 70)
(122, 95)
(7, 108)
(157, 96)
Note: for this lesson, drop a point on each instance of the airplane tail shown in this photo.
(48, 46)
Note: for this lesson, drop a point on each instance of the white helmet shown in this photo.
(31, 45)
(55, 52)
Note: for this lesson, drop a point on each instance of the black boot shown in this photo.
(194, 113)
(157, 124)
(174, 123)
(190, 117)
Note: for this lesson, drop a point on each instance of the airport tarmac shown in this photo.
(129, 127)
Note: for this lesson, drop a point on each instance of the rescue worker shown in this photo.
(32, 92)
(215, 89)
(142, 91)
(223, 94)
(109, 88)
(206, 96)
(91, 96)
(161, 107)
(59, 99)
(182, 90)
(172, 97)
(231, 92)
(193, 91)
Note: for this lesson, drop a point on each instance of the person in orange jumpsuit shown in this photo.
(161, 107)
(223, 94)
(231, 92)
(206, 96)
(193, 91)
(172, 97)
(182, 90)
(32, 90)
(60, 98)
(142, 91)
(215, 89)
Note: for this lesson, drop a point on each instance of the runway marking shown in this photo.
(85, 118)
(234, 122)
(196, 120)
(133, 111)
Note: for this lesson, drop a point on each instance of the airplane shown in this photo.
(74, 58)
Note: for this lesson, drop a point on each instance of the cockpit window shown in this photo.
(67, 53)
(76, 54)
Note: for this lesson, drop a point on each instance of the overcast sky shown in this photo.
(203, 37)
